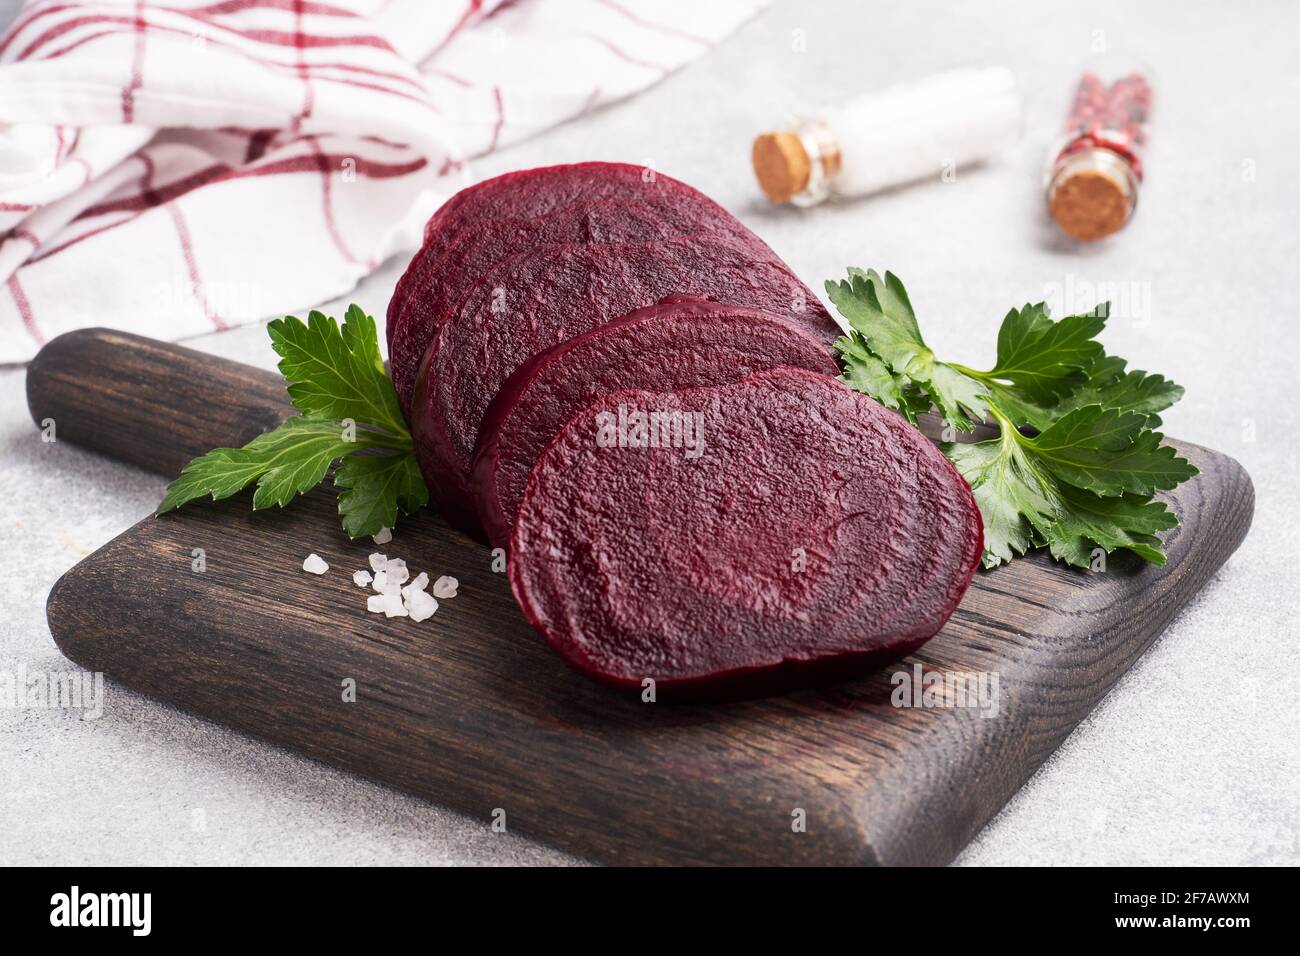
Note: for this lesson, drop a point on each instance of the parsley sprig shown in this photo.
(1077, 461)
(349, 417)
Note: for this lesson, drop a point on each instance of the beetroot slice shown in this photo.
(535, 301)
(818, 534)
(442, 282)
(680, 343)
(541, 192)
(544, 189)
(523, 193)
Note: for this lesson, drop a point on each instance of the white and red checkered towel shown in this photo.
(176, 167)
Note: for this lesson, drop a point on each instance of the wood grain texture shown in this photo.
(471, 710)
(148, 403)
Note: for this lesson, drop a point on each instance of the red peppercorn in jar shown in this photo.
(1094, 177)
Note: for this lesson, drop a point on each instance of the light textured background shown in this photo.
(1193, 756)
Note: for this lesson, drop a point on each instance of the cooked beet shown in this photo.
(529, 195)
(540, 191)
(442, 282)
(817, 533)
(680, 343)
(539, 299)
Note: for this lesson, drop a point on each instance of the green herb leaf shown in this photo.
(350, 415)
(879, 311)
(1040, 362)
(1089, 521)
(284, 462)
(1022, 411)
(1109, 452)
(1110, 386)
(871, 376)
(1018, 504)
(337, 372)
(1045, 360)
(375, 488)
(1025, 504)
(1086, 480)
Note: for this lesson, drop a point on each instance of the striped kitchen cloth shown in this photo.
(171, 168)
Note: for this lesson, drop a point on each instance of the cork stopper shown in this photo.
(1092, 195)
(782, 165)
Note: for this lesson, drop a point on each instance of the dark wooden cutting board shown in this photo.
(471, 710)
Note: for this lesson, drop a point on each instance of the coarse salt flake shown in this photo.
(385, 535)
(390, 605)
(419, 584)
(394, 597)
(420, 605)
(385, 584)
(315, 564)
(397, 570)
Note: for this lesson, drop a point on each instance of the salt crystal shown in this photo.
(385, 535)
(390, 605)
(392, 598)
(421, 605)
(384, 584)
(419, 584)
(397, 571)
(315, 564)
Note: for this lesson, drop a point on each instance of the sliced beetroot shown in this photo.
(537, 300)
(524, 193)
(816, 535)
(542, 192)
(677, 344)
(443, 283)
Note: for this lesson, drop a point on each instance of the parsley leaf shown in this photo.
(1110, 386)
(1077, 462)
(869, 374)
(1018, 504)
(1044, 360)
(1027, 502)
(1090, 521)
(878, 310)
(336, 373)
(336, 379)
(375, 488)
(286, 461)
(1109, 452)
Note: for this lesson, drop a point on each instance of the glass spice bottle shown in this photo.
(1095, 174)
(884, 138)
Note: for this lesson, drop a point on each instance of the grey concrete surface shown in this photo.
(1193, 757)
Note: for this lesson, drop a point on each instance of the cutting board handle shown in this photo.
(149, 403)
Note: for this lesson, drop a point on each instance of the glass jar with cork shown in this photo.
(885, 138)
(1096, 168)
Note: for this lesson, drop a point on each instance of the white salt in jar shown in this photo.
(899, 135)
